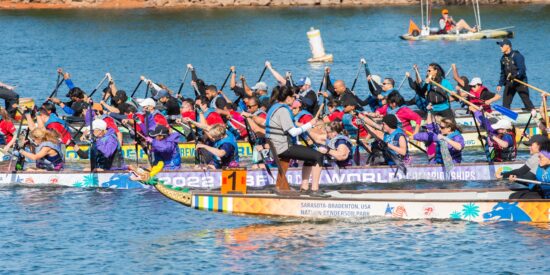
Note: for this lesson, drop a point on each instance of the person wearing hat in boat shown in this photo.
(391, 136)
(531, 164)
(223, 149)
(395, 106)
(438, 99)
(164, 147)
(542, 174)
(97, 112)
(336, 144)
(512, 66)
(47, 118)
(120, 104)
(448, 25)
(306, 95)
(108, 153)
(502, 138)
(282, 133)
(77, 104)
(170, 103)
(479, 95)
(11, 98)
(47, 153)
(150, 117)
(447, 130)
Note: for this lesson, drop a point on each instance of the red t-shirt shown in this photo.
(7, 128)
(305, 119)
(237, 116)
(190, 114)
(111, 124)
(336, 115)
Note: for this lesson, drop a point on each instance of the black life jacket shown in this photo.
(509, 65)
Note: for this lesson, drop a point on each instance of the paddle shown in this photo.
(530, 181)
(136, 145)
(16, 146)
(251, 139)
(54, 92)
(98, 85)
(225, 81)
(319, 92)
(402, 82)
(261, 75)
(385, 149)
(136, 88)
(525, 129)
(543, 92)
(182, 82)
(93, 143)
(361, 63)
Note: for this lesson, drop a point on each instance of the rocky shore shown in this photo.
(131, 4)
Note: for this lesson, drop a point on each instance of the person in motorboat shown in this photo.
(542, 175)
(446, 130)
(47, 152)
(222, 150)
(104, 150)
(447, 25)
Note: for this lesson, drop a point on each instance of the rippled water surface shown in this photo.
(65, 230)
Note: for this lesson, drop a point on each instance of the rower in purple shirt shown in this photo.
(164, 147)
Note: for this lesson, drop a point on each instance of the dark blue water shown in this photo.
(58, 230)
(91, 231)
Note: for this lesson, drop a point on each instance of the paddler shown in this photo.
(282, 132)
(448, 25)
(108, 153)
(419, 99)
(99, 113)
(542, 174)
(380, 91)
(474, 91)
(170, 103)
(164, 147)
(306, 94)
(512, 66)
(438, 99)
(223, 149)
(234, 121)
(47, 118)
(150, 117)
(77, 104)
(7, 129)
(339, 91)
(11, 98)
(447, 130)
(47, 153)
(391, 137)
(395, 106)
(335, 144)
(502, 138)
(531, 164)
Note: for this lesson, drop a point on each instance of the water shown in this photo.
(64, 230)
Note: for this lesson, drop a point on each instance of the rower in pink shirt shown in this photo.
(395, 106)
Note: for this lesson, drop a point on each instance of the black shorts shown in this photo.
(310, 156)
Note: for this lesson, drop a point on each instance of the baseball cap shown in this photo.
(445, 11)
(377, 79)
(475, 81)
(260, 86)
(161, 94)
(539, 139)
(148, 102)
(505, 41)
(502, 124)
(160, 130)
(97, 107)
(303, 81)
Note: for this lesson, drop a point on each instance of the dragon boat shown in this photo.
(187, 149)
(259, 178)
(477, 205)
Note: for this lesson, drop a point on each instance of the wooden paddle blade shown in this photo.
(505, 111)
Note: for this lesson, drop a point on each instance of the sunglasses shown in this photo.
(250, 106)
(386, 83)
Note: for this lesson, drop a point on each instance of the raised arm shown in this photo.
(277, 75)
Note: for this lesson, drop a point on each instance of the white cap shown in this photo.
(99, 124)
(502, 124)
(377, 79)
(475, 81)
(148, 102)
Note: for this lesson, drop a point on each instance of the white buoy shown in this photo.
(316, 46)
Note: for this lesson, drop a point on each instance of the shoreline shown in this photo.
(206, 4)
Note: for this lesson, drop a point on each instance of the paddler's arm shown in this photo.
(68, 81)
(217, 152)
(10, 144)
(456, 145)
(43, 152)
(30, 121)
(402, 149)
(341, 152)
(277, 75)
(456, 76)
(109, 107)
(502, 143)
